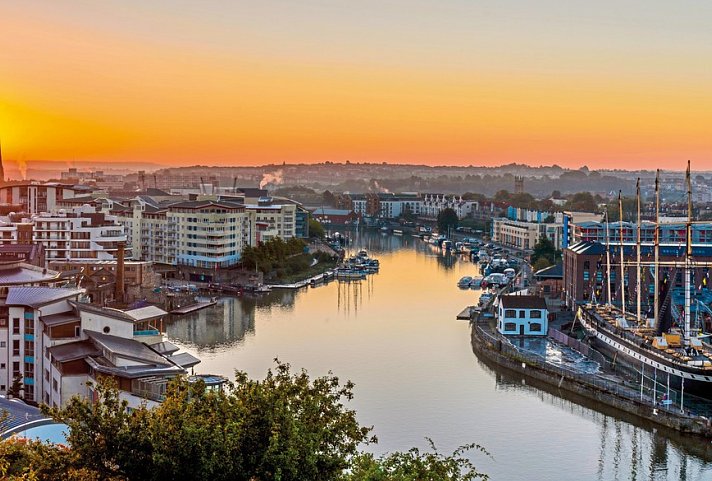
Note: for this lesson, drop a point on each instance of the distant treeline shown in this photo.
(488, 185)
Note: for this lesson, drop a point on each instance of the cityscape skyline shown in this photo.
(458, 83)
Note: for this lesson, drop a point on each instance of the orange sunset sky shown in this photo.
(607, 83)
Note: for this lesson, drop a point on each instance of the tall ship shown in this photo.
(667, 340)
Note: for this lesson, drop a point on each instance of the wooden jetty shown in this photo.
(193, 307)
(467, 313)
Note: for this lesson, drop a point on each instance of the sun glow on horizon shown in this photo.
(466, 83)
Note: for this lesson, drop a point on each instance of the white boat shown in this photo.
(476, 283)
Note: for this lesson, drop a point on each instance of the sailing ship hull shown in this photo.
(633, 355)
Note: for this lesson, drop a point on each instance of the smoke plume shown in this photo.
(274, 178)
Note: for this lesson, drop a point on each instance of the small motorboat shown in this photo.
(464, 283)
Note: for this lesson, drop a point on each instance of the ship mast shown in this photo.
(620, 238)
(656, 308)
(608, 264)
(637, 264)
(688, 254)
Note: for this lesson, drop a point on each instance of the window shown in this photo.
(511, 313)
(2, 365)
(535, 314)
(54, 384)
(510, 326)
(586, 275)
(16, 347)
(587, 265)
(15, 325)
(522, 314)
(535, 327)
(3, 344)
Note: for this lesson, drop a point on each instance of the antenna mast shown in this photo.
(656, 267)
(620, 238)
(608, 264)
(688, 254)
(637, 264)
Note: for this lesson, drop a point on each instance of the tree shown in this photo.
(630, 208)
(16, 386)
(541, 263)
(447, 219)
(545, 249)
(415, 465)
(582, 202)
(316, 229)
(285, 427)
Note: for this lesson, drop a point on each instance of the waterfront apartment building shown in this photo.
(58, 344)
(524, 235)
(275, 220)
(206, 234)
(17, 350)
(80, 235)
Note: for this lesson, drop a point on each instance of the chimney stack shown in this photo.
(119, 287)
(2, 168)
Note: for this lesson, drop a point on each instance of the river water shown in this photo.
(395, 336)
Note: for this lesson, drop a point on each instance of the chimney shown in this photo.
(2, 169)
(119, 287)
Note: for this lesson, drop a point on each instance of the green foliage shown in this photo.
(271, 254)
(541, 263)
(104, 436)
(630, 209)
(316, 229)
(475, 196)
(544, 250)
(16, 386)
(582, 202)
(447, 219)
(415, 465)
(286, 427)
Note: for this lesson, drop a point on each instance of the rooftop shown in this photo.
(73, 351)
(17, 273)
(39, 296)
(61, 318)
(21, 416)
(522, 302)
(127, 348)
(551, 272)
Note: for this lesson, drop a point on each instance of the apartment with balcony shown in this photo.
(56, 344)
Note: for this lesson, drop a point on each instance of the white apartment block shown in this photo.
(208, 233)
(274, 220)
(525, 235)
(80, 235)
(56, 344)
(433, 204)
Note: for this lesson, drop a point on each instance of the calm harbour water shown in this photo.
(395, 335)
